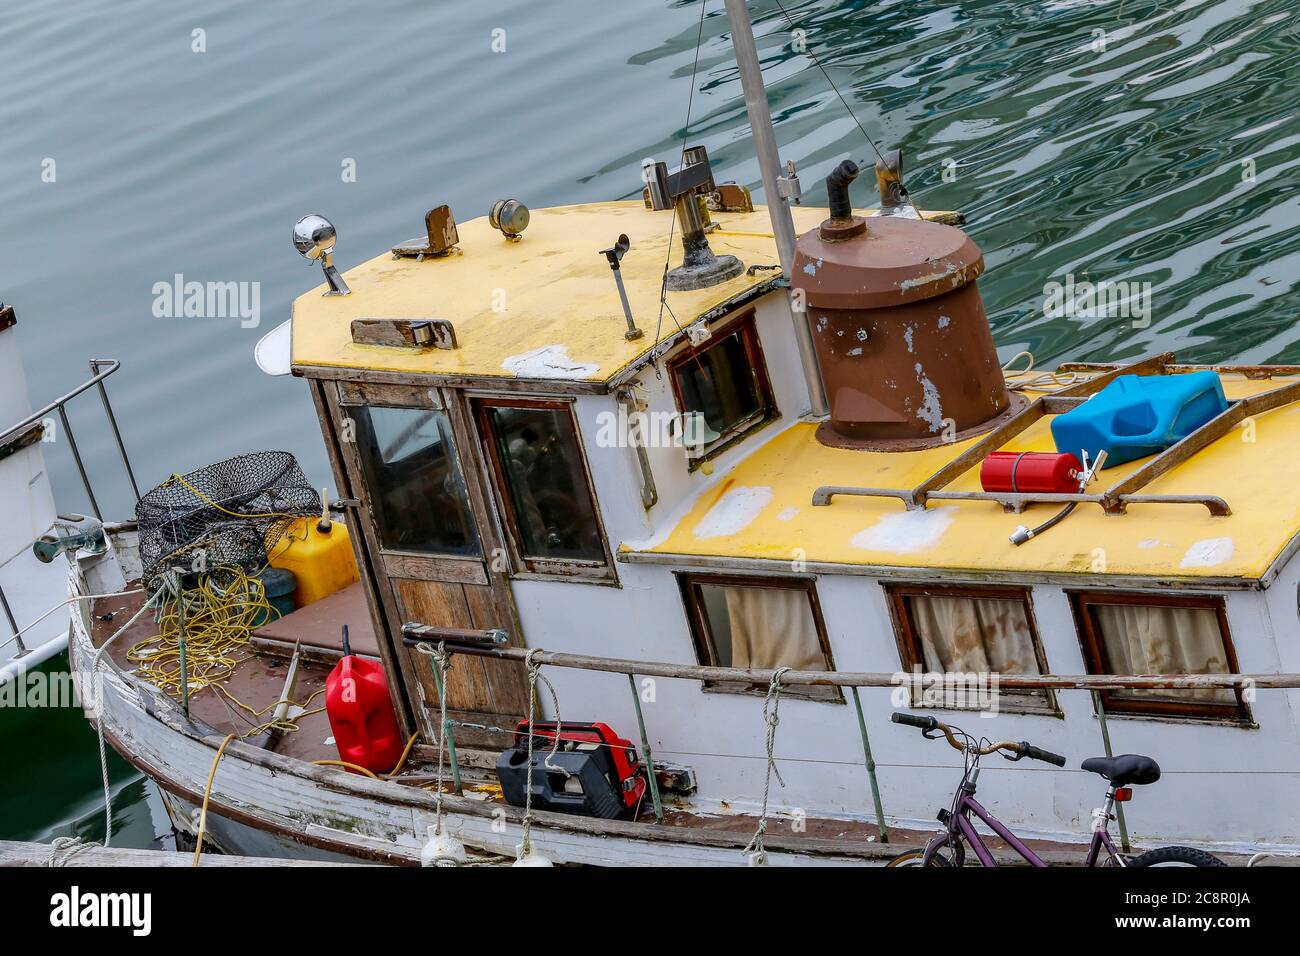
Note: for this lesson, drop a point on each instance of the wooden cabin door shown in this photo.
(414, 467)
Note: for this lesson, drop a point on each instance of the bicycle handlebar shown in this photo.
(912, 720)
(1015, 750)
(1037, 753)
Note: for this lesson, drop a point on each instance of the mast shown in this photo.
(769, 163)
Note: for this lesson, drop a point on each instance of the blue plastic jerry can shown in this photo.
(1139, 415)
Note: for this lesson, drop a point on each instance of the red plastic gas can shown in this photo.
(1031, 472)
(361, 714)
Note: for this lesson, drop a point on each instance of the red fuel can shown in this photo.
(361, 714)
(1031, 472)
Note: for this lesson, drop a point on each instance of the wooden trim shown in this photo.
(524, 565)
(705, 650)
(321, 394)
(544, 386)
(393, 396)
(1098, 662)
(746, 324)
(778, 567)
(911, 653)
(752, 294)
(380, 591)
(434, 567)
(1253, 372)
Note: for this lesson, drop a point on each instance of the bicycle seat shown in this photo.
(1124, 769)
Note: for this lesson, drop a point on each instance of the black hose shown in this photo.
(837, 189)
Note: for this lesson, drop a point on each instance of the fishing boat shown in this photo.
(653, 513)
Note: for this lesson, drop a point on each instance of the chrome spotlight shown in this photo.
(314, 238)
(511, 217)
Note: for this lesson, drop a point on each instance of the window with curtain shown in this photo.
(1154, 634)
(760, 624)
(971, 631)
(723, 384)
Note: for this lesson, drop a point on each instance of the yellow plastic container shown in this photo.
(322, 561)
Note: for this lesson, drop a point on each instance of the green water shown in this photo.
(1162, 149)
(52, 785)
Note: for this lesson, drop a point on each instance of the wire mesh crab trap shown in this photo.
(227, 513)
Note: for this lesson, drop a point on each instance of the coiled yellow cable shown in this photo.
(220, 615)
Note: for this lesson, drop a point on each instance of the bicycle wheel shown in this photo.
(917, 858)
(1175, 856)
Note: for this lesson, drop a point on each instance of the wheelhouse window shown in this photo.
(758, 623)
(969, 631)
(543, 487)
(1159, 634)
(413, 478)
(722, 388)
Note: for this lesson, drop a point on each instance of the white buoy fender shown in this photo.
(531, 858)
(442, 849)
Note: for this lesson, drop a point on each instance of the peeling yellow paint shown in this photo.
(550, 290)
(1252, 476)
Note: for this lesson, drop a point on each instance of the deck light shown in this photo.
(511, 217)
(314, 238)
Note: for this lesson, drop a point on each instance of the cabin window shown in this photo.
(1157, 634)
(413, 478)
(722, 388)
(958, 632)
(758, 623)
(543, 487)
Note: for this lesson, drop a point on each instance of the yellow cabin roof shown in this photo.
(543, 307)
(762, 509)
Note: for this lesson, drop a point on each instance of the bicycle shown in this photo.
(948, 848)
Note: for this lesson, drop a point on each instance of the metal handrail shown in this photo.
(100, 369)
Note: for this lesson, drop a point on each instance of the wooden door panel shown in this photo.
(508, 680)
(444, 605)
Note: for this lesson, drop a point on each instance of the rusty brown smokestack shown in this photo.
(904, 346)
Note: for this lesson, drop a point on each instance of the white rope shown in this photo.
(1044, 381)
(534, 675)
(443, 662)
(63, 849)
(99, 710)
(771, 706)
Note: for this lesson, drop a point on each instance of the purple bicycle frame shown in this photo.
(960, 825)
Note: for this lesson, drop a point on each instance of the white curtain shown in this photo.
(966, 634)
(773, 627)
(1164, 640)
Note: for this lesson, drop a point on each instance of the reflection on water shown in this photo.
(1104, 140)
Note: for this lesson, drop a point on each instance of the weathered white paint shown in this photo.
(31, 588)
(1223, 784)
(549, 361)
(906, 531)
(1207, 553)
(733, 513)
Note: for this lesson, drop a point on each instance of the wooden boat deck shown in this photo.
(257, 681)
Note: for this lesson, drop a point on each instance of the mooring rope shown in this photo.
(534, 675)
(441, 660)
(771, 707)
(63, 849)
(99, 709)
